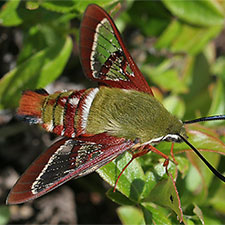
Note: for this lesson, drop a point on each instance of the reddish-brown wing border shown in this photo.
(92, 17)
(106, 149)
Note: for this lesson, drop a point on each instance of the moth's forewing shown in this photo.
(103, 54)
(64, 160)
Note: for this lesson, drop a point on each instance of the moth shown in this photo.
(97, 124)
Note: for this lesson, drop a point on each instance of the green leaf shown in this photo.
(183, 165)
(188, 221)
(165, 76)
(151, 17)
(200, 12)
(212, 217)
(131, 182)
(9, 15)
(169, 34)
(31, 15)
(150, 182)
(4, 215)
(34, 41)
(205, 139)
(59, 5)
(154, 214)
(36, 72)
(218, 68)
(119, 198)
(82, 5)
(200, 36)
(42, 36)
(31, 5)
(198, 98)
(174, 105)
(206, 176)
(130, 215)
(193, 179)
(218, 200)
(213, 220)
(165, 194)
(218, 104)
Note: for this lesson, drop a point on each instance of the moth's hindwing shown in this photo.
(64, 160)
(103, 54)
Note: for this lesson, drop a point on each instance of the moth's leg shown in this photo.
(140, 151)
(174, 161)
(153, 149)
(171, 153)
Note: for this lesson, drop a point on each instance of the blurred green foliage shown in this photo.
(180, 59)
(4, 214)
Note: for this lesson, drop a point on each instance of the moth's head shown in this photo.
(174, 137)
(174, 128)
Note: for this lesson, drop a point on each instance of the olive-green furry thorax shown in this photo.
(130, 114)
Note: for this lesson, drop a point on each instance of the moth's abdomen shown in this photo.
(63, 113)
(30, 106)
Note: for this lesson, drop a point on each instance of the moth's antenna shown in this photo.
(217, 173)
(209, 118)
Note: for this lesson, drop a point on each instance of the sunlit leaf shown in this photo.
(32, 5)
(183, 165)
(131, 182)
(218, 103)
(9, 15)
(154, 215)
(150, 182)
(201, 12)
(59, 5)
(165, 194)
(200, 36)
(130, 215)
(168, 35)
(36, 72)
(165, 77)
(175, 106)
(82, 5)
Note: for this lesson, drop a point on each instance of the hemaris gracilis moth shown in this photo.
(97, 124)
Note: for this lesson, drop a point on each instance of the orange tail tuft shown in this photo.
(30, 106)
